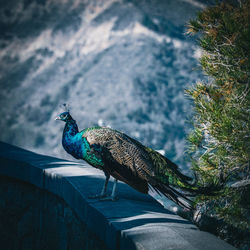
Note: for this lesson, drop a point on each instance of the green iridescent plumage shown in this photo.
(89, 156)
(166, 171)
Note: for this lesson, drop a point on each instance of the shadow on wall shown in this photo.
(32, 218)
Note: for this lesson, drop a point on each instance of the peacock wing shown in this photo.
(126, 158)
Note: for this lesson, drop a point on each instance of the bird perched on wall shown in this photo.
(126, 159)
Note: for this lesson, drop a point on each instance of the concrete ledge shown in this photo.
(136, 221)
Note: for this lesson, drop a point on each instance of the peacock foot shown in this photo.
(109, 198)
(97, 196)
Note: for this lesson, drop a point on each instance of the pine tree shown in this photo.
(219, 140)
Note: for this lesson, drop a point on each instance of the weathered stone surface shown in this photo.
(136, 221)
(32, 218)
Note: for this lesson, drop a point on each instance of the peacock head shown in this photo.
(65, 116)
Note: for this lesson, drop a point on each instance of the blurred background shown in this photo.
(123, 64)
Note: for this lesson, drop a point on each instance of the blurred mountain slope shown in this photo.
(118, 63)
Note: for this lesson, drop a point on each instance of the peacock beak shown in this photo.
(57, 118)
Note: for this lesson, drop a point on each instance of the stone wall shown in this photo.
(32, 218)
(62, 217)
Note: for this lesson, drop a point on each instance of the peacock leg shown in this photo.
(104, 190)
(113, 196)
(114, 189)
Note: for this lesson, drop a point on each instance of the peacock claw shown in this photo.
(97, 196)
(109, 198)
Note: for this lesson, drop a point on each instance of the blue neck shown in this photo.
(72, 139)
(70, 128)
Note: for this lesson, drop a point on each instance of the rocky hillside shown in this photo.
(119, 63)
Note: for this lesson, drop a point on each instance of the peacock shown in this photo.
(127, 160)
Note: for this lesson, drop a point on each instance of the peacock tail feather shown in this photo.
(166, 171)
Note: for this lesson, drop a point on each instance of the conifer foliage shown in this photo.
(219, 141)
